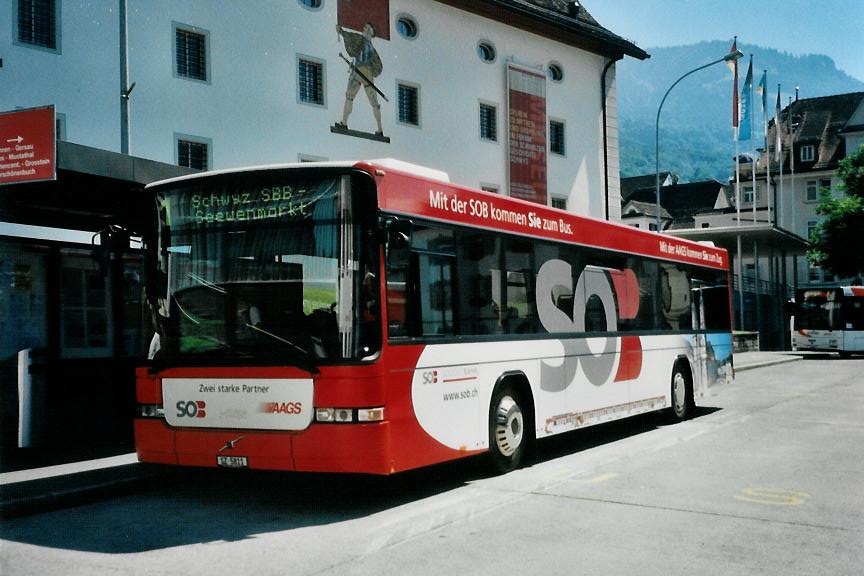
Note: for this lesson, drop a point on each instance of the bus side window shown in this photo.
(436, 294)
(398, 266)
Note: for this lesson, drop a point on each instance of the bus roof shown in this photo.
(381, 163)
(413, 190)
(413, 195)
(857, 291)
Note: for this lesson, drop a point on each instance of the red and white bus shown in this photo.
(374, 318)
(830, 320)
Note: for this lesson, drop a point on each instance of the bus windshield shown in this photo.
(265, 265)
(817, 310)
(829, 309)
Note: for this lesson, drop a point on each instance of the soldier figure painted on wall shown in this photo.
(364, 69)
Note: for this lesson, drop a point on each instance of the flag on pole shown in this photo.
(746, 119)
(778, 135)
(762, 89)
(733, 66)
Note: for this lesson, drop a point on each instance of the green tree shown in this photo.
(837, 244)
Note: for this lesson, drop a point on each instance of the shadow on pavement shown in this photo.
(180, 507)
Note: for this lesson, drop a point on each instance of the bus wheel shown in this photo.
(507, 434)
(682, 392)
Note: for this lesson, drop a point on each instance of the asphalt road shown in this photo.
(767, 479)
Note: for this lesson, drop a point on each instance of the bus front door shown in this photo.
(700, 345)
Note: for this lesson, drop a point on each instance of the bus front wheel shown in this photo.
(682, 392)
(508, 436)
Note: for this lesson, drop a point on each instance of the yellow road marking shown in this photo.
(566, 474)
(772, 496)
(600, 478)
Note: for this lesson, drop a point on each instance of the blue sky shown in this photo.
(831, 27)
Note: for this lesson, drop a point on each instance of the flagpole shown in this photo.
(736, 113)
(792, 169)
(738, 225)
(752, 147)
(764, 85)
(778, 119)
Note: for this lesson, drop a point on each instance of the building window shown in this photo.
(560, 203)
(37, 23)
(193, 153)
(407, 27)
(488, 122)
(190, 53)
(409, 104)
(807, 153)
(310, 81)
(85, 320)
(486, 51)
(311, 4)
(812, 191)
(706, 225)
(748, 195)
(556, 137)
(555, 72)
(492, 188)
(652, 226)
(814, 273)
(811, 226)
(825, 184)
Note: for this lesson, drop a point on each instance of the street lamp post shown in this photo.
(731, 57)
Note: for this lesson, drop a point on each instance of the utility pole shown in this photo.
(125, 89)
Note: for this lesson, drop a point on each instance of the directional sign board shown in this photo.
(27, 145)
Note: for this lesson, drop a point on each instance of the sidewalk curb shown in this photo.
(765, 363)
(29, 497)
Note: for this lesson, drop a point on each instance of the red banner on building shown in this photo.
(354, 14)
(527, 122)
(27, 145)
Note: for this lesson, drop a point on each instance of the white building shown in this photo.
(218, 84)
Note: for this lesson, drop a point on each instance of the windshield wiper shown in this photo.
(304, 355)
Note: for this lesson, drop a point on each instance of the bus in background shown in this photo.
(372, 317)
(830, 320)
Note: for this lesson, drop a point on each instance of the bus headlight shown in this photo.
(370, 415)
(151, 411)
(348, 415)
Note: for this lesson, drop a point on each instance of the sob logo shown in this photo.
(191, 409)
(616, 293)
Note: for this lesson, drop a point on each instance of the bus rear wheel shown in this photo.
(683, 404)
(508, 436)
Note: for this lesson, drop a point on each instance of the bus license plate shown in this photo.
(232, 461)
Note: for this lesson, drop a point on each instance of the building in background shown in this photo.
(822, 131)
(514, 96)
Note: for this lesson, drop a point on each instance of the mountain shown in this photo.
(696, 137)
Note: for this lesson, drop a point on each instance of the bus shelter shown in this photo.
(72, 321)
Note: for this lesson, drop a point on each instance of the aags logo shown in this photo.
(191, 409)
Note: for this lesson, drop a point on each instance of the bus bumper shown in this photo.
(350, 448)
